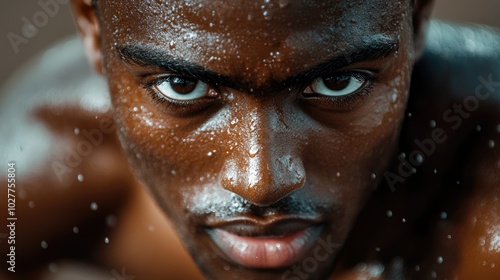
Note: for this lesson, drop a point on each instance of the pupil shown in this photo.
(337, 83)
(183, 86)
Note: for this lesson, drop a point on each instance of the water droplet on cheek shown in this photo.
(394, 97)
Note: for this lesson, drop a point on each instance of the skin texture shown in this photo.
(260, 148)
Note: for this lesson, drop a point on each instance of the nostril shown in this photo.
(261, 180)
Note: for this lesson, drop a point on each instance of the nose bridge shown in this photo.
(262, 168)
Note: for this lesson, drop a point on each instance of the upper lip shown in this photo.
(274, 226)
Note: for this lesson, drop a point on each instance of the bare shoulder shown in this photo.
(57, 129)
(453, 124)
(439, 202)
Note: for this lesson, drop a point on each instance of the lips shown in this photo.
(260, 244)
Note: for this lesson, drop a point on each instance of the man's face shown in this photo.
(260, 128)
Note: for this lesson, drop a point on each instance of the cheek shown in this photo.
(347, 162)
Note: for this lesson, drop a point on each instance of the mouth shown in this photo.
(273, 243)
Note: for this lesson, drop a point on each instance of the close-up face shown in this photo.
(259, 127)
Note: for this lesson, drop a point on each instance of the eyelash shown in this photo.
(179, 106)
(346, 101)
(337, 102)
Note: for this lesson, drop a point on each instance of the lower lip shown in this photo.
(265, 252)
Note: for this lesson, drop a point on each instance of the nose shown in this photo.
(263, 166)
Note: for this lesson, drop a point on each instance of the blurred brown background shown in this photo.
(60, 24)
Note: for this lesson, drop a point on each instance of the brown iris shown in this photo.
(183, 85)
(337, 82)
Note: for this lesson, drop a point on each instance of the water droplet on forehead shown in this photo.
(80, 178)
(440, 259)
(76, 230)
(432, 123)
(93, 206)
(106, 240)
(76, 131)
(44, 244)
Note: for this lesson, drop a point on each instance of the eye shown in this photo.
(181, 88)
(339, 85)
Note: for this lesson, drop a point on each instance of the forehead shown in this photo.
(265, 36)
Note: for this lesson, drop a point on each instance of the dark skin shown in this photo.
(258, 130)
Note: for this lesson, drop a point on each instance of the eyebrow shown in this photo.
(141, 55)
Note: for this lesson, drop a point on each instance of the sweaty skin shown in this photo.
(261, 153)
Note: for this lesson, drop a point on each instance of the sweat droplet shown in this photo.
(440, 259)
(106, 240)
(77, 131)
(76, 230)
(443, 215)
(491, 144)
(53, 267)
(93, 206)
(80, 178)
(389, 213)
(419, 158)
(253, 150)
(432, 123)
(283, 3)
(111, 221)
(44, 244)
